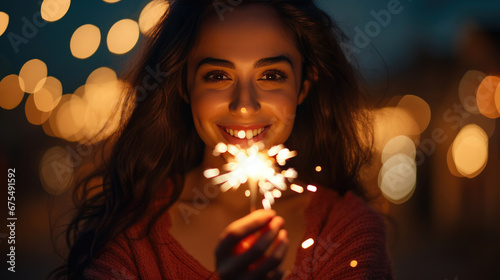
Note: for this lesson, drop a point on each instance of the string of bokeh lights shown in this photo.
(79, 116)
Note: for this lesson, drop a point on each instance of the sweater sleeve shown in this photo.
(355, 247)
(113, 262)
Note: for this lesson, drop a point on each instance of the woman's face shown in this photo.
(244, 79)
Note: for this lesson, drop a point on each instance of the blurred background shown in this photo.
(431, 67)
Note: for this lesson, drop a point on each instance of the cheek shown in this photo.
(283, 112)
(206, 109)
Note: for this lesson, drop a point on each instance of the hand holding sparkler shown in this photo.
(265, 242)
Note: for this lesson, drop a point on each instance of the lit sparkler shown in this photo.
(255, 167)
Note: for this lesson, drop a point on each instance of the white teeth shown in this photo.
(249, 134)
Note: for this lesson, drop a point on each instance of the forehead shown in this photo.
(248, 32)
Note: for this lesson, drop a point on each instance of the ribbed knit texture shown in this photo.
(344, 229)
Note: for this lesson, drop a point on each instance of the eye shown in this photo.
(216, 76)
(273, 76)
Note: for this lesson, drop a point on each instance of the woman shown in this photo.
(273, 71)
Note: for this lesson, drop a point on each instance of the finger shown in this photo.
(242, 228)
(239, 264)
(274, 260)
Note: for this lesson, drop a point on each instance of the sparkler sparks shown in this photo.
(255, 167)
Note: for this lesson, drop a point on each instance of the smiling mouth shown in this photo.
(244, 134)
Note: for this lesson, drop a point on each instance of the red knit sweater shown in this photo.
(344, 230)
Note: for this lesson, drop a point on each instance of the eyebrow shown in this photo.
(260, 63)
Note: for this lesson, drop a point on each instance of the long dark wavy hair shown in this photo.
(157, 139)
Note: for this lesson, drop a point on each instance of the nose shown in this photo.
(245, 101)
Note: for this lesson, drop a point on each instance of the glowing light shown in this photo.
(290, 173)
(467, 90)
(400, 144)
(255, 167)
(33, 115)
(56, 171)
(31, 74)
(103, 110)
(11, 93)
(397, 178)
(69, 118)
(247, 193)
(85, 41)
(241, 134)
(102, 75)
(4, 22)
(266, 204)
(308, 243)
(312, 188)
(210, 173)
(390, 122)
(220, 148)
(485, 97)
(48, 129)
(111, 1)
(318, 168)
(354, 263)
(276, 193)
(497, 98)
(47, 98)
(243, 110)
(123, 36)
(296, 188)
(470, 150)
(54, 10)
(418, 108)
(151, 15)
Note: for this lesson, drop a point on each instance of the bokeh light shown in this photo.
(11, 93)
(397, 178)
(353, 263)
(400, 144)
(68, 121)
(123, 36)
(47, 98)
(31, 74)
(85, 41)
(151, 14)
(111, 1)
(390, 122)
(418, 108)
(467, 90)
(56, 170)
(497, 98)
(4, 22)
(54, 10)
(102, 114)
(470, 150)
(102, 75)
(33, 115)
(485, 97)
